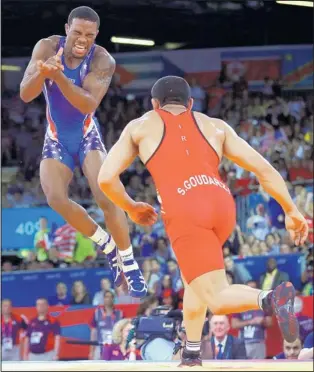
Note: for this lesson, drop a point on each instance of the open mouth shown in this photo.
(79, 49)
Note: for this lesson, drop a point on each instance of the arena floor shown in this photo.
(236, 365)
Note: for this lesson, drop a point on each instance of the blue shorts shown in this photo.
(72, 157)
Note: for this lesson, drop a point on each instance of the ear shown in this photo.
(67, 28)
(155, 103)
(190, 105)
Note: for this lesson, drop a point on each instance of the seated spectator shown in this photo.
(273, 247)
(259, 223)
(61, 297)
(162, 253)
(291, 350)
(79, 294)
(102, 324)
(7, 267)
(147, 305)
(105, 285)
(307, 352)
(122, 295)
(272, 277)
(153, 283)
(118, 349)
(174, 271)
(252, 326)
(147, 241)
(238, 270)
(222, 345)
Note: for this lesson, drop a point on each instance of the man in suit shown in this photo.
(272, 277)
(221, 345)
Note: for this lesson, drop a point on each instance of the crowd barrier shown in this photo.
(24, 287)
(75, 325)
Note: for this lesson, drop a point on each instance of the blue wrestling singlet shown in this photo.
(70, 134)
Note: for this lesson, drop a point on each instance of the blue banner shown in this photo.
(19, 225)
(24, 287)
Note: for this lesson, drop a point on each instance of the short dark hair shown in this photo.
(172, 89)
(84, 12)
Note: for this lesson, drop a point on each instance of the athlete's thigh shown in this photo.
(198, 250)
(56, 167)
(91, 167)
(55, 177)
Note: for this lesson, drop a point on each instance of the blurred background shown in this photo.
(249, 63)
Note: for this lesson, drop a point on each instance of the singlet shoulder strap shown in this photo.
(60, 43)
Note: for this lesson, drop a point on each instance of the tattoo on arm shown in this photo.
(104, 70)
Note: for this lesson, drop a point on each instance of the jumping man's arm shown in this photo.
(95, 85)
(33, 81)
(119, 158)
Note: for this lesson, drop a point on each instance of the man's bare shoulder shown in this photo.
(217, 123)
(102, 58)
(48, 45)
(148, 116)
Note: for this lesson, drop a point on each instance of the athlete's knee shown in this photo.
(104, 203)
(57, 201)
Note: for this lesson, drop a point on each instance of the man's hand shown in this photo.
(49, 68)
(143, 214)
(297, 227)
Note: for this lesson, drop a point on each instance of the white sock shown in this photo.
(100, 236)
(127, 254)
(194, 346)
(261, 296)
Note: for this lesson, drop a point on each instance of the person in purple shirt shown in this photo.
(119, 349)
(252, 325)
(61, 297)
(42, 342)
(102, 324)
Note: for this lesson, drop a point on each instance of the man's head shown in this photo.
(219, 325)
(292, 349)
(6, 307)
(42, 306)
(108, 299)
(62, 289)
(105, 284)
(271, 265)
(171, 90)
(81, 30)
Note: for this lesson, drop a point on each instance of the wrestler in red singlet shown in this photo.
(182, 154)
(198, 208)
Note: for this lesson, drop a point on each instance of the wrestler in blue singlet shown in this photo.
(70, 134)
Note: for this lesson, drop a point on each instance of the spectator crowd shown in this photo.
(280, 128)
